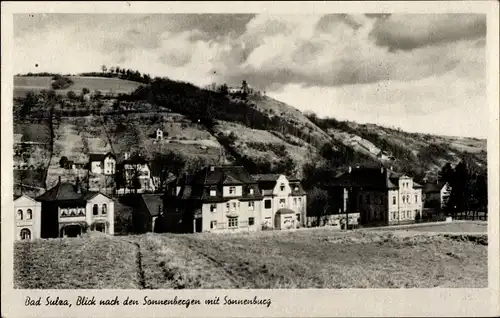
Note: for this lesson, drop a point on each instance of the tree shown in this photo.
(117, 70)
(112, 69)
(85, 91)
(317, 203)
(71, 95)
(97, 94)
(104, 68)
(29, 102)
(166, 164)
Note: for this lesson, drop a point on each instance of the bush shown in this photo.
(61, 82)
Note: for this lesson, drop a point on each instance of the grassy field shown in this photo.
(24, 84)
(317, 258)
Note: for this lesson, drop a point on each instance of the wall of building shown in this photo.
(109, 165)
(99, 200)
(33, 224)
(220, 215)
(95, 167)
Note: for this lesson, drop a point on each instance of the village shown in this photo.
(217, 198)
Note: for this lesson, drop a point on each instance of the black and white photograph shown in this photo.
(254, 151)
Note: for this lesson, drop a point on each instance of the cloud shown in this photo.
(369, 67)
(410, 31)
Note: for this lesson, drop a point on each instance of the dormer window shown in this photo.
(19, 214)
(232, 190)
(282, 187)
(212, 192)
(296, 188)
(250, 191)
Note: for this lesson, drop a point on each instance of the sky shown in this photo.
(418, 72)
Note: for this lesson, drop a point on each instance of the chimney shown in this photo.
(78, 185)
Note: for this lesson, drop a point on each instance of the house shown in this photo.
(159, 134)
(136, 174)
(436, 194)
(280, 196)
(215, 199)
(102, 163)
(27, 224)
(66, 211)
(379, 195)
(146, 210)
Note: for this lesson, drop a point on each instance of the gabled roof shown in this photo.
(62, 191)
(17, 197)
(430, 187)
(152, 202)
(135, 159)
(91, 194)
(371, 178)
(268, 177)
(222, 175)
(100, 156)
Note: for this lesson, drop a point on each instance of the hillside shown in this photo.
(204, 126)
(24, 84)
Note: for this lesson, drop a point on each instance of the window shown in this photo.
(72, 212)
(296, 189)
(213, 224)
(294, 201)
(29, 214)
(234, 206)
(282, 203)
(213, 207)
(25, 234)
(233, 222)
(64, 212)
(104, 208)
(232, 190)
(251, 221)
(416, 198)
(394, 199)
(95, 209)
(250, 191)
(300, 200)
(212, 193)
(282, 187)
(267, 204)
(298, 217)
(81, 211)
(404, 199)
(19, 214)
(227, 206)
(251, 205)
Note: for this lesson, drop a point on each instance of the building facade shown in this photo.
(28, 217)
(281, 193)
(66, 212)
(102, 163)
(377, 195)
(228, 198)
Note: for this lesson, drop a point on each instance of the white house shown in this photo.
(159, 134)
(102, 163)
(28, 218)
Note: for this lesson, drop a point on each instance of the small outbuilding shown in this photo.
(284, 219)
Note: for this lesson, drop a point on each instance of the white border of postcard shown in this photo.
(292, 303)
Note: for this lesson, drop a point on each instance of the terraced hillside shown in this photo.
(259, 132)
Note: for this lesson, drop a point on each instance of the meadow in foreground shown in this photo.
(302, 259)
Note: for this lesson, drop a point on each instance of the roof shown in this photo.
(372, 178)
(417, 185)
(268, 177)
(16, 197)
(285, 211)
(222, 175)
(135, 159)
(100, 156)
(91, 194)
(62, 191)
(152, 202)
(433, 187)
